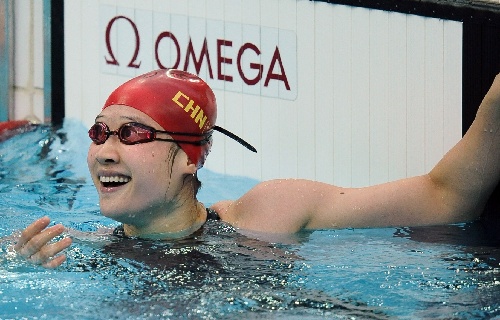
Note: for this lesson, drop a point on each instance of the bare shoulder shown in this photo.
(222, 207)
(277, 206)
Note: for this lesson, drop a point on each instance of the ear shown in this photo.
(190, 166)
(184, 164)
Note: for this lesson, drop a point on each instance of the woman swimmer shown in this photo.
(146, 177)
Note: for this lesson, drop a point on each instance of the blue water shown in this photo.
(407, 273)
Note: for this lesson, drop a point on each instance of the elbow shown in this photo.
(453, 205)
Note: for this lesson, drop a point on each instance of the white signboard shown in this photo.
(244, 58)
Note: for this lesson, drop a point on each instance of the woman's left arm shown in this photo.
(455, 190)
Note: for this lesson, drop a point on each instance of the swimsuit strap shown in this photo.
(119, 232)
(212, 214)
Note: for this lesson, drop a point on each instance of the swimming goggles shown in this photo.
(135, 133)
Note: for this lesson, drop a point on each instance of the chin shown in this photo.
(118, 214)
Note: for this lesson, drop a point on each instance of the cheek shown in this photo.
(91, 156)
(165, 166)
(154, 167)
(90, 162)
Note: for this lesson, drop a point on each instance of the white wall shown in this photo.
(374, 95)
(28, 60)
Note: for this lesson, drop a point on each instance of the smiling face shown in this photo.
(136, 183)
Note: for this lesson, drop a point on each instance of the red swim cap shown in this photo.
(179, 101)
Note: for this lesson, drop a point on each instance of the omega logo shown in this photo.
(274, 69)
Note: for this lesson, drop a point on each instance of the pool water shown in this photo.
(405, 273)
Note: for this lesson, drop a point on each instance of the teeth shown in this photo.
(120, 179)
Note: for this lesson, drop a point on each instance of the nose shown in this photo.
(108, 152)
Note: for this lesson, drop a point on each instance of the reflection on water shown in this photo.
(218, 273)
(215, 273)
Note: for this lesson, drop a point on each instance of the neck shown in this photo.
(178, 223)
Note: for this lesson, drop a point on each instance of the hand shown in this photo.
(35, 244)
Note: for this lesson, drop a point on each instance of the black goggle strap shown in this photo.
(207, 136)
(236, 138)
(197, 142)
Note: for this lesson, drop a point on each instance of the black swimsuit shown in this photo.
(211, 215)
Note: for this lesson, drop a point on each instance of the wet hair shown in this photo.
(196, 183)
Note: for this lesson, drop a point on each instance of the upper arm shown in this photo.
(287, 206)
(407, 202)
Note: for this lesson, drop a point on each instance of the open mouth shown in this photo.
(113, 181)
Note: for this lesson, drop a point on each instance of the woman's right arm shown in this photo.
(35, 243)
